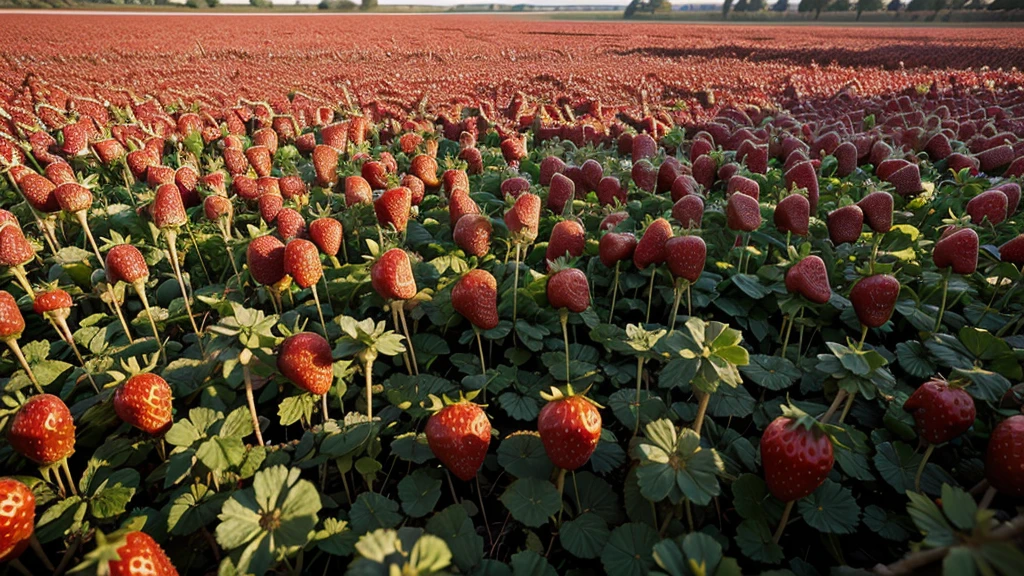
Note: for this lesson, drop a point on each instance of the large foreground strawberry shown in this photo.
(305, 359)
(475, 296)
(569, 427)
(145, 402)
(43, 430)
(459, 435)
(140, 555)
(1004, 461)
(17, 518)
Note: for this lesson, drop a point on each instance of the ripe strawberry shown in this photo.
(1004, 461)
(187, 180)
(959, 249)
(474, 160)
(568, 288)
(514, 187)
(335, 135)
(76, 139)
(473, 234)
(793, 214)
(569, 427)
(941, 411)
(874, 298)
(60, 173)
(802, 175)
(234, 160)
(689, 211)
(260, 158)
(610, 191)
(290, 224)
(167, 209)
(1012, 191)
(302, 262)
(644, 175)
(993, 159)
(305, 359)
(144, 401)
(391, 276)
(906, 180)
(991, 206)
(669, 171)
(376, 174)
(108, 150)
(267, 138)
(743, 185)
(644, 147)
(326, 233)
(393, 207)
(43, 430)
(705, 170)
(651, 247)
(615, 247)
(742, 213)
(459, 435)
(17, 518)
(809, 278)
(611, 221)
(292, 187)
(1013, 251)
(845, 224)
(877, 209)
(592, 173)
(52, 301)
(39, 192)
(513, 150)
(416, 188)
(797, 456)
(567, 237)
(9, 219)
(424, 167)
(124, 263)
(325, 163)
(268, 185)
(475, 296)
(685, 256)
(358, 129)
(265, 256)
(684, 185)
(357, 191)
(141, 555)
(15, 250)
(846, 159)
(560, 193)
(550, 166)
(159, 175)
(453, 180)
(245, 188)
(460, 204)
(12, 323)
(523, 218)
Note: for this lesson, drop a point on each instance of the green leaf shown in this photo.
(771, 372)
(1005, 557)
(219, 453)
(455, 526)
(959, 562)
(584, 536)
(531, 501)
(60, 519)
(888, 525)
(629, 551)
(703, 551)
(930, 521)
(987, 386)
(897, 463)
(595, 495)
(522, 455)
(959, 507)
(111, 498)
(193, 509)
(371, 511)
(336, 538)
(430, 554)
(529, 563)
(294, 408)
(669, 557)
(750, 497)
(831, 509)
(419, 493)
(751, 286)
(914, 359)
(412, 447)
(754, 538)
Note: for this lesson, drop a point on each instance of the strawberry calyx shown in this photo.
(558, 393)
(800, 419)
(435, 404)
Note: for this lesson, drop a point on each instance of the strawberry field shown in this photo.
(465, 295)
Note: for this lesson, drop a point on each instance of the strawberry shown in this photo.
(159, 175)
(523, 218)
(689, 211)
(12, 323)
(993, 159)
(1013, 251)
(651, 247)
(474, 160)
(15, 250)
(684, 185)
(610, 191)
(43, 430)
(60, 173)
(459, 435)
(265, 256)
(292, 187)
(416, 188)
(793, 214)
(705, 170)
(592, 173)
(990, 206)
(305, 359)
(568, 288)
(809, 278)
(141, 556)
(700, 147)
(39, 192)
(234, 160)
(1012, 191)
(187, 179)
(475, 296)
(302, 262)
(797, 456)
(268, 185)
(358, 129)
(615, 247)
(567, 237)
(9, 219)
(550, 166)
(335, 135)
(877, 209)
(473, 234)
(455, 180)
(144, 401)
(393, 207)
(1004, 460)
(611, 221)
(513, 150)
(357, 191)
(124, 263)
(569, 427)
(906, 180)
(514, 187)
(802, 175)
(685, 256)
(267, 138)
(17, 518)
(845, 224)
(644, 175)
(167, 209)
(424, 167)
(846, 159)
(270, 206)
(108, 150)
(743, 185)
(76, 139)
(391, 276)
(245, 188)
(52, 301)
(560, 193)
(459, 205)
(644, 147)
(941, 412)
(669, 171)
(959, 250)
(290, 224)
(326, 233)
(742, 213)
(376, 174)
(874, 298)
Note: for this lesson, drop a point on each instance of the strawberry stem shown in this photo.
(787, 328)
(782, 523)
(38, 549)
(67, 472)
(563, 318)
(408, 338)
(650, 294)
(702, 409)
(323, 405)
(639, 381)
(945, 291)
(16, 350)
(22, 277)
(319, 310)
(405, 353)
(62, 328)
(480, 346)
(251, 400)
(840, 396)
(515, 292)
(140, 289)
(678, 289)
(615, 292)
(368, 372)
(920, 467)
(863, 336)
(990, 494)
(171, 237)
(847, 407)
(483, 509)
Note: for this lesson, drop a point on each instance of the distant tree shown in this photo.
(780, 6)
(631, 8)
(1006, 5)
(741, 6)
(725, 8)
(368, 4)
(213, 3)
(756, 5)
(894, 6)
(919, 5)
(868, 6)
(839, 6)
(261, 3)
(196, 3)
(975, 5)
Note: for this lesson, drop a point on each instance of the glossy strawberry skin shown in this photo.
(685, 256)
(325, 164)
(550, 166)
(393, 208)
(560, 193)
(615, 247)
(357, 191)
(290, 224)
(475, 296)
(651, 247)
(1004, 460)
(51, 301)
(874, 299)
(302, 262)
(141, 556)
(940, 411)
(43, 430)
(473, 234)
(742, 213)
(12, 323)
(877, 209)
(958, 250)
(73, 197)
(125, 263)
(459, 436)
(424, 167)
(460, 204)
(17, 518)
(989, 207)
(568, 288)
(567, 237)
(15, 249)
(809, 278)
(265, 257)
(145, 402)
(305, 359)
(569, 429)
(796, 460)
(845, 224)
(1013, 250)
(793, 214)
(326, 233)
(167, 210)
(523, 218)
(392, 277)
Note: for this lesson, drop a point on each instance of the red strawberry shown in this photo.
(797, 456)
(245, 188)
(216, 207)
(270, 206)
(15, 250)
(392, 276)
(108, 150)
(611, 221)
(326, 233)
(567, 237)
(906, 180)
(1004, 461)
(700, 147)
(669, 171)
(424, 167)
(76, 139)
(234, 160)
(568, 288)
(302, 262)
(941, 412)
(267, 138)
(743, 185)
(393, 207)
(416, 188)
(809, 278)
(610, 191)
(292, 187)
(141, 555)
(268, 185)
(39, 192)
(17, 518)
(325, 163)
(990, 206)
(651, 247)
(145, 402)
(474, 160)
(357, 191)
(959, 250)
(43, 430)
(615, 247)
(685, 256)
(335, 135)
(376, 174)
(159, 175)
(514, 187)
(742, 213)
(689, 211)
(793, 214)
(10, 219)
(705, 170)
(459, 435)
(305, 359)
(473, 234)
(874, 298)
(802, 175)
(12, 323)
(460, 204)
(475, 296)
(561, 192)
(550, 166)
(995, 158)
(592, 173)
(124, 263)
(167, 209)
(513, 150)
(265, 256)
(187, 179)
(644, 147)
(569, 427)
(523, 218)
(846, 159)
(455, 180)
(845, 224)
(60, 173)
(1013, 251)
(644, 175)
(55, 300)
(1012, 191)
(938, 147)
(684, 185)
(877, 209)
(358, 128)
(290, 224)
